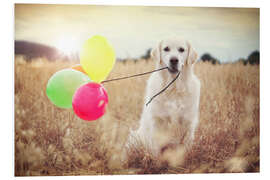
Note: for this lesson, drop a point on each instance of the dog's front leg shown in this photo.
(190, 134)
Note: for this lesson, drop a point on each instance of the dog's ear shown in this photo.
(155, 53)
(192, 55)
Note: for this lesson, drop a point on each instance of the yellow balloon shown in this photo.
(97, 58)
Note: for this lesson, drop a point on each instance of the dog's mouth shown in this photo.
(173, 70)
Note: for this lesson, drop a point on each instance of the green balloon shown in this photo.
(62, 86)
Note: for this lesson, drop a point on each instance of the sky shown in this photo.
(226, 33)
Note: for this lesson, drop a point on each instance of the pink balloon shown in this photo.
(89, 101)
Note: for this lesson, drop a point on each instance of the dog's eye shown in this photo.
(167, 49)
(181, 49)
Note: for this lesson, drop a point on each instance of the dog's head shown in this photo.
(174, 53)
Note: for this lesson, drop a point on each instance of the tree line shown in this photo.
(33, 50)
(253, 58)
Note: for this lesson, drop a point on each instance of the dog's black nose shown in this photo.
(174, 61)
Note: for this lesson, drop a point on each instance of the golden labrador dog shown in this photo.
(172, 117)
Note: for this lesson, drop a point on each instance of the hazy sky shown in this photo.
(226, 33)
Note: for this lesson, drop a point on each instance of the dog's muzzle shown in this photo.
(173, 65)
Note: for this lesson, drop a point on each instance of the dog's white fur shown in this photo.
(172, 117)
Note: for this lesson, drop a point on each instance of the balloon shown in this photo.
(78, 67)
(62, 86)
(89, 101)
(97, 58)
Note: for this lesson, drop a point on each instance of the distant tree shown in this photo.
(254, 58)
(242, 60)
(35, 50)
(208, 58)
(124, 61)
(147, 55)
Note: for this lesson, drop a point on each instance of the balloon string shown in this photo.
(134, 75)
(116, 79)
(163, 89)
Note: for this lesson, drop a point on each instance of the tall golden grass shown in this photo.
(53, 141)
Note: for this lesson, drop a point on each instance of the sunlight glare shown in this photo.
(68, 45)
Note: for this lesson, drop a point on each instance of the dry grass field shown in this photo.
(54, 141)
